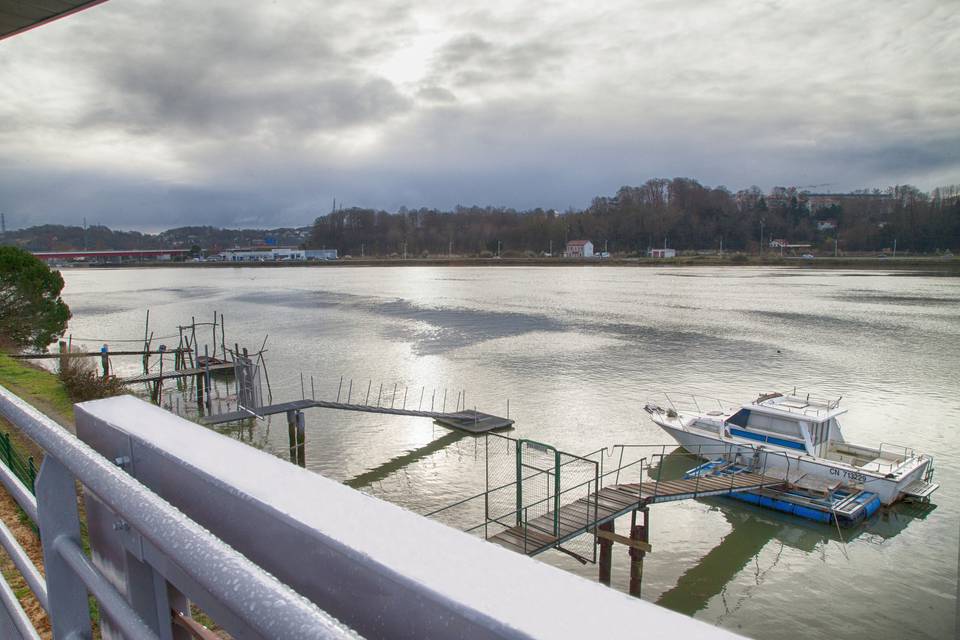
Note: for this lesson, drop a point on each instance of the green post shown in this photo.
(7, 452)
(519, 482)
(556, 494)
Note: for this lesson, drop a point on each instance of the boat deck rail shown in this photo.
(904, 452)
(798, 404)
(684, 401)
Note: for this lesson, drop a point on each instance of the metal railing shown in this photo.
(175, 549)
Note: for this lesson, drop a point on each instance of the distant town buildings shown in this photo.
(274, 254)
(579, 249)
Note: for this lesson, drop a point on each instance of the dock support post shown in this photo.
(606, 553)
(639, 532)
(292, 434)
(200, 385)
(301, 439)
(296, 431)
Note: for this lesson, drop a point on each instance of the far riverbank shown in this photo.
(948, 265)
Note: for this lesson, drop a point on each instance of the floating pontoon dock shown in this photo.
(470, 420)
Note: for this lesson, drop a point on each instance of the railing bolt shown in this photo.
(120, 525)
(122, 461)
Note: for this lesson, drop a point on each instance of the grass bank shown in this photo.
(39, 387)
(42, 389)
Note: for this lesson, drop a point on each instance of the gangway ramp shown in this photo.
(586, 514)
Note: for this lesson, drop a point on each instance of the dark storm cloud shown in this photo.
(150, 114)
(231, 73)
(470, 59)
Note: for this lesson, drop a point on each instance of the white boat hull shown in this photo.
(793, 465)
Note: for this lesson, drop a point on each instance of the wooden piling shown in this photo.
(301, 439)
(296, 432)
(640, 533)
(292, 434)
(606, 553)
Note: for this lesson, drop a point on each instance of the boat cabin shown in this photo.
(791, 422)
(807, 426)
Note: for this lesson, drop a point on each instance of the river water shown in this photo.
(578, 351)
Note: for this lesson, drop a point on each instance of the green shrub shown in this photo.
(84, 382)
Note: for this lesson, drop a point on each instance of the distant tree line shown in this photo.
(680, 213)
(55, 237)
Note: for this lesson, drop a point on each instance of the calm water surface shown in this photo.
(578, 351)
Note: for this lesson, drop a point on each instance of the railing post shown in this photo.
(519, 445)
(153, 599)
(57, 511)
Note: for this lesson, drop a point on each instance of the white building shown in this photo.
(579, 249)
(321, 254)
(662, 253)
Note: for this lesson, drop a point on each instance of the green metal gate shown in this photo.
(541, 464)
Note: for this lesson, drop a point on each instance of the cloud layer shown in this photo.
(156, 114)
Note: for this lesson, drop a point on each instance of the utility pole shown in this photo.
(361, 249)
(894, 245)
(721, 246)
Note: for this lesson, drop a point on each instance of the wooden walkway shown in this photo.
(179, 373)
(586, 514)
(470, 421)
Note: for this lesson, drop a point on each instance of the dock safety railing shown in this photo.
(536, 521)
(183, 561)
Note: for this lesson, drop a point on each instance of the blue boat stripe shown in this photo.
(769, 439)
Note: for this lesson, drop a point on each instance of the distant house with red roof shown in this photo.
(579, 249)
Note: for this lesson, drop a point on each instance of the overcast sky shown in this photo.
(155, 114)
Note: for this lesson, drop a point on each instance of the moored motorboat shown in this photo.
(798, 438)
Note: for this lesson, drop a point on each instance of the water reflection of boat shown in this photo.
(799, 439)
(753, 528)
